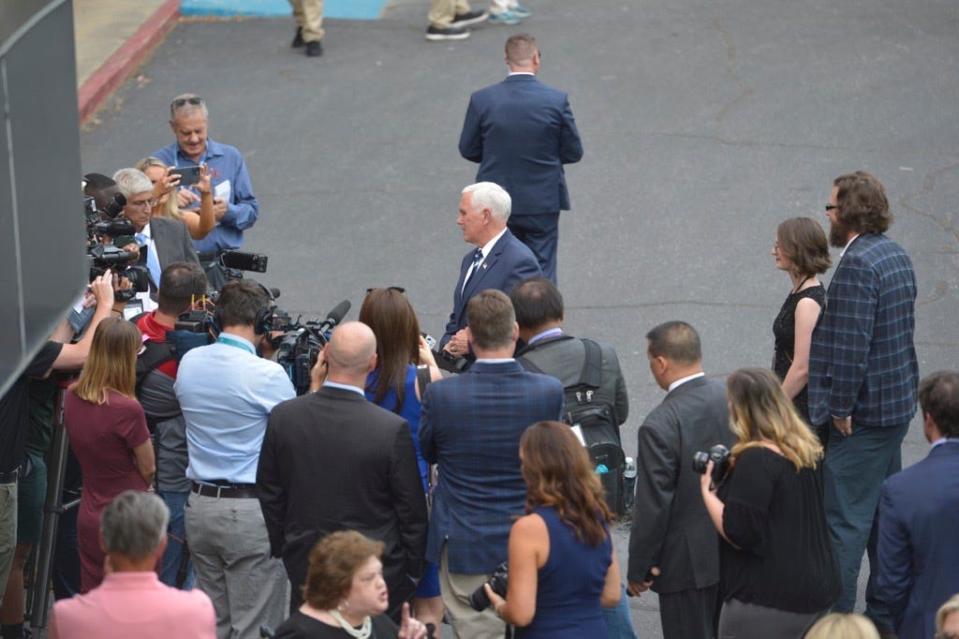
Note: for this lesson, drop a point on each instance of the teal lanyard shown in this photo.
(230, 341)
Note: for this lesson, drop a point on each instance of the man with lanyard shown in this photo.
(235, 206)
(226, 393)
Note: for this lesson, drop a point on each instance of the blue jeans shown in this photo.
(176, 535)
(853, 471)
(618, 623)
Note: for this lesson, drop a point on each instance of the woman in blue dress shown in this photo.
(393, 385)
(562, 567)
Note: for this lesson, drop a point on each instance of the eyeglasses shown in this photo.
(145, 204)
(831, 207)
(179, 102)
(398, 289)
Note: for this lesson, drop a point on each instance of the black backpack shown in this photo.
(596, 420)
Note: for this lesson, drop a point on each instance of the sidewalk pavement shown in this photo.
(114, 37)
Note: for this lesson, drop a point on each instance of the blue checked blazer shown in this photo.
(862, 361)
(470, 426)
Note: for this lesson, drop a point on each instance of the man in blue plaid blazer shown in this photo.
(470, 426)
(863, 375)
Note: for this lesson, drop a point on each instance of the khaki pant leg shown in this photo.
(466, 622)
(309, 17)
(442, 12)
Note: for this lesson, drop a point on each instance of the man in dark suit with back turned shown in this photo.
(521, 133)
(333, 461)
(863, 374)
(499, 261)
(673, 547)
(918, 516)
(470, 426)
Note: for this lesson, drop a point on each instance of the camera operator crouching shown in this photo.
(181, 285)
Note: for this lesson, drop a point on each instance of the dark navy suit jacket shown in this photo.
(862, 361)
(918, 549)
(522, 132)
(471, 425)
(509, 262)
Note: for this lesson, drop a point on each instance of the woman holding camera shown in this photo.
(108, 434)
(394, 386)
(345, 594)
(165, 183)
(802, 251)
(562, 567)
(777, 568)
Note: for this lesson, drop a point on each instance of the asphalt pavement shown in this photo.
(704, 126)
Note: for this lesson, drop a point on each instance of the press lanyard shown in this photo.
(230, 341)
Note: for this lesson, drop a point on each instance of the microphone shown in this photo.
(336, 316)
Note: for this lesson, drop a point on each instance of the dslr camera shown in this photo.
(719, 455)
(497, 581)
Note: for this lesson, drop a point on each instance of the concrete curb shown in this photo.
(126, 59)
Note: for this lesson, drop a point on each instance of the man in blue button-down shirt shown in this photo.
(226, 393)
(235, 206)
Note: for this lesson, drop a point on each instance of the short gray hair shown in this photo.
(489, 195)
(132, 181)
(134, 524)
(188, 102)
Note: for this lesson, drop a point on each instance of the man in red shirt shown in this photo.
(181, 283)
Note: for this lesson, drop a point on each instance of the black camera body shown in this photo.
(109, 256)
(719, 455)
(497, 582)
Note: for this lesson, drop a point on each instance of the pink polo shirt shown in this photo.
(134, 604)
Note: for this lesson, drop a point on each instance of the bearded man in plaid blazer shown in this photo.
(863, 375)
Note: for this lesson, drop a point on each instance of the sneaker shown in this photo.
(314, 49)
(298, 39)
(450, 33)
(470, 17)
(504, 17)
(520, 11)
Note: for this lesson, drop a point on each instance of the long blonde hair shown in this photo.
(843, 626)
(759, 410)
(111, 364)
(170, 208)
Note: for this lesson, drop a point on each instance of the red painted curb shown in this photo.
(124, 60)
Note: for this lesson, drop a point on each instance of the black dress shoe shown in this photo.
(314, 49)
(298, 38)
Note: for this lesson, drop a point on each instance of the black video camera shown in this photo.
(719, 455)
(300, 345)
(104, 256)
(498, 581)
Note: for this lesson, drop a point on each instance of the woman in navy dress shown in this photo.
(393, 385)
(562, 567)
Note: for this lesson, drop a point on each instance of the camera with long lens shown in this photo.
(107, 255)
(719, 455)
(498, 581)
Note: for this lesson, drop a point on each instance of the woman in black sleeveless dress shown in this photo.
(802, 251)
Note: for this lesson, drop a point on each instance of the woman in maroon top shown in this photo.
(108, 434)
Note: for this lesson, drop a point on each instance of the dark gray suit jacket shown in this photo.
(173, 243)
(671, 528)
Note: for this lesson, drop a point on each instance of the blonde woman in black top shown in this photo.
(778, 572)
(802, 251)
